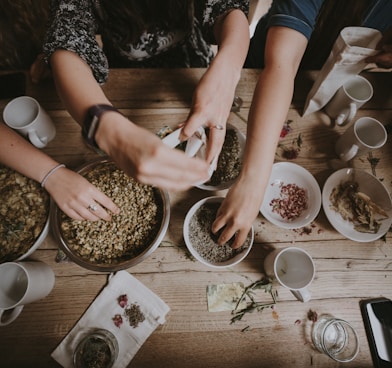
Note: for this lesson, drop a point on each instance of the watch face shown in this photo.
(91, 123)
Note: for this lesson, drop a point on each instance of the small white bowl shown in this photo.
(227, 184)
(228, 263)
(284, 173)
(369, 185)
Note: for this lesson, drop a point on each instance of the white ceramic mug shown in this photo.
(344, 105)
(365, 135)
(26, 116)
(22, 283)
(293, 268)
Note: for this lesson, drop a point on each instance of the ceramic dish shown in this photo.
(285, 174)
(197, 237)
(25, 213)
(369, 185)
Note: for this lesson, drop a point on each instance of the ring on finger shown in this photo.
(218, 127)
(92, 207)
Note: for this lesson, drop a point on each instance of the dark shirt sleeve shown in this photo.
(73, 27)
(300, 15)
(212, 10)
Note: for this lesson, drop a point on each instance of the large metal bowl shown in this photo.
(163, 202)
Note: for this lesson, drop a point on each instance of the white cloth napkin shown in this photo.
(105, 307)
(346, 59)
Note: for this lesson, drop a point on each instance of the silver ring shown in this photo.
(92, 207)
(218, 126)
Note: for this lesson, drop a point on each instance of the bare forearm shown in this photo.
(232, 35)
(21, 156)
(75, 83)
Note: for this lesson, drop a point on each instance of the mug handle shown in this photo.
(303, 295)
(12, 315)
(37, 141)
(348, 155)
(343, 119)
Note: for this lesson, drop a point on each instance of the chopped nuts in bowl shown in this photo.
(126, 240)
(24, 215)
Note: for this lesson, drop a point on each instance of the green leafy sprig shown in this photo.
(253, 305)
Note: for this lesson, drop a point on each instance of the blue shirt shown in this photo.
(301, 15)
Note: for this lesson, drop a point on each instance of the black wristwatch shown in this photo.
(91, 123)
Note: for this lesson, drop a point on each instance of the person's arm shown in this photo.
(72, 193)
(141, 154)
(214, 95)
(271, 101)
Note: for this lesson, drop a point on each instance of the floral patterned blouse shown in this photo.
(74, 26)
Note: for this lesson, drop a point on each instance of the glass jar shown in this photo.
(98, 349)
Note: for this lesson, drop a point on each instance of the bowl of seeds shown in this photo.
(24, 215)
(130, 237)
(229, 162)
(202, 243)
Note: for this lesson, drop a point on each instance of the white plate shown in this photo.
(369, 185)
(284, 173)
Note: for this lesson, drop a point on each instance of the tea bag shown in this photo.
(351, 48)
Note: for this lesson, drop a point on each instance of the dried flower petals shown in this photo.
(118, 321)
(132, 313)
(123, 300)
(291, 202)
(312, 315)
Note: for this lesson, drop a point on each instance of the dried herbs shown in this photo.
(253, 305)
(204, 241)
(357, 207)
(132, 313)
(24, 210)
(129, 233)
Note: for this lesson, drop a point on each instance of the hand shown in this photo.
(211, 105)
(143, 156)
(384, 58)
(74, 194)
(39, 70)
(237, 213)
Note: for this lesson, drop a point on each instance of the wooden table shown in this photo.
(346, 271)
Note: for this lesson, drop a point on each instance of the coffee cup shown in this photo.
(22, 283)
(26, 116)
(293, 268)
(365, 135)
(354, 93)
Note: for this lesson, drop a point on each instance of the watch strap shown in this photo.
(91, 122)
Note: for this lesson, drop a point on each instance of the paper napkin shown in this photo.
(105, 307)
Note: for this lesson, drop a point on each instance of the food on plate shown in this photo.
(129, 233)
(292, 201)
(357, 207)
(24, 211)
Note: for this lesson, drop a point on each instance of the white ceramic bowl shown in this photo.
(369, 185)
(284, 173)
(226, 185)
(42, 236)
(17, 189)
(228, 263)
